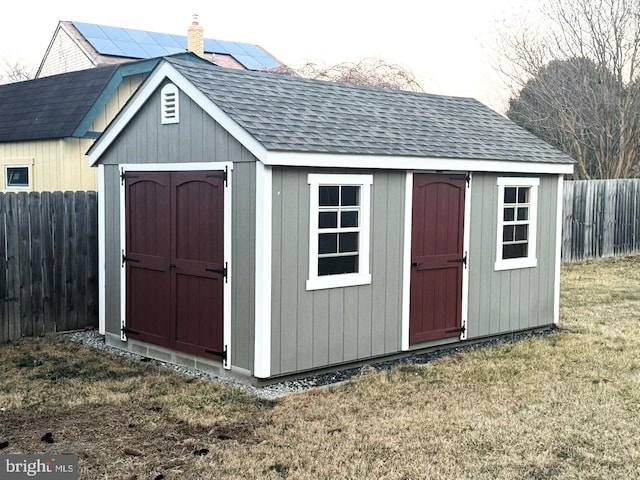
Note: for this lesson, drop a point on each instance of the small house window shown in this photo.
(170, 103)
(339, 230)
(517, 222)
(17, 176)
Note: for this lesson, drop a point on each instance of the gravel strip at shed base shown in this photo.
(93, 339)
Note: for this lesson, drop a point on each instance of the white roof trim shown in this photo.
(166, 70)
(302, 159)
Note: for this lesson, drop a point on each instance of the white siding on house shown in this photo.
(64, 55)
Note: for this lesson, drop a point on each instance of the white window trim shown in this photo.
(363, 277)
(21, 188)
(167, 118)
(531, 260)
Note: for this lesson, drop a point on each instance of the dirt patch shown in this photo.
(138, 439)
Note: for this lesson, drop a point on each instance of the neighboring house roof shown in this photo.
(301, 115)
(63, 105)
(49, 107)
(108, 45)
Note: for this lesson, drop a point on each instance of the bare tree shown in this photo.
(15, 71)
(576, 82)
(373, 72)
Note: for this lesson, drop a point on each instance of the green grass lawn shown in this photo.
(566, 405)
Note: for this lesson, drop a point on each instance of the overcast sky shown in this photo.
(448, 44)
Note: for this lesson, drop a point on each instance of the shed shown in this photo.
(263, 226)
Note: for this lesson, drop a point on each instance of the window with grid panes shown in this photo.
(517, 212)
(339, 230)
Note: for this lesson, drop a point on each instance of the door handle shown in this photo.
(417, 264)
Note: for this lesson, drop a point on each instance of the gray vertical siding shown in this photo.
(312, 329)
(112, 249)
(197, 138)
(509, 300)
(243, 264)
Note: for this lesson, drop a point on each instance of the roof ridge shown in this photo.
(337, 84)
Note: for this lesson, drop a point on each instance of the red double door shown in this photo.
(437, 257)
(174, 260)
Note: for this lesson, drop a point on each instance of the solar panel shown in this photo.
(105, 47)
(140, 36)
(163, 39)
(126, 42)
(130, 49)
(89, 30)
(248, 62)
(181, 41)
(116, 33)
(232, 48)
(267, 61)
(212, 46)
(153, 50)
(252, 50)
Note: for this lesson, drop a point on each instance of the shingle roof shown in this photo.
(49, 107)
(301, 115)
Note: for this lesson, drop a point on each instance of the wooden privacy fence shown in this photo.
(601, 218)
(48, 262)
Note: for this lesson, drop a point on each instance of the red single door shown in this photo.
(148, 242)
(197, 258)
(175, 259)
(436, 257)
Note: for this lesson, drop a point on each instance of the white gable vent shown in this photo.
(170, 104)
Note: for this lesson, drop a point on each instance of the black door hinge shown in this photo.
(128, 259)
(453, 330)
(124, 176)
(467, 178)
(462, 260)
(222, 354)
(223, 175)
(129, 331)
(221, 271)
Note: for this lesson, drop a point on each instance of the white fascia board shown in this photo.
(101, 252)
(406, 260)
(228, 262)
(122, 249)
(162, 72)
(262, 330)
(175, 167)
(466, 246)
(302, 159)
(558, 259)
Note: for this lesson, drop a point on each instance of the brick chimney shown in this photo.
(195, 37)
